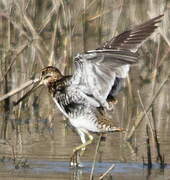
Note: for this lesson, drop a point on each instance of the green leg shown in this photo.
(79, 150)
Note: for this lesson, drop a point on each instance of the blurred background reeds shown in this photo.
(37, 33)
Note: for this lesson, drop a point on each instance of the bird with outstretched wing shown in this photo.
(97, 79)
(100, 72)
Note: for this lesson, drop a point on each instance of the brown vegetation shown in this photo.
(34, 34)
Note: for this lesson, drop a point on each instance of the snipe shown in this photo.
(96, 81)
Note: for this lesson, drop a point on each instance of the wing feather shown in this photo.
(96, 71)
(133, 38)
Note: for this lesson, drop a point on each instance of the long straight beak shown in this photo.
(36, 85)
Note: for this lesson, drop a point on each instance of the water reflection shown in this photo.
(60, 170)
(77, 174)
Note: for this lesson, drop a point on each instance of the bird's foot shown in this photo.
(114, 101)
(108, 106)
(75, 160)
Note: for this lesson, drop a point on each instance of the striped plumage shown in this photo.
(96, 80)
(132, 39)
(76, 107)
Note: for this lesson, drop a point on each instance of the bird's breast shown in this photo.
(67, 104)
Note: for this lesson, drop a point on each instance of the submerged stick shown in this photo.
(105, 174)
(95, 155)
(149, 154)
(155, 139)
(17, 90)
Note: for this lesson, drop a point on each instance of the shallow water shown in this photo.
(60, 170)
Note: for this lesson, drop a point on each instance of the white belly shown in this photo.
(84, 123)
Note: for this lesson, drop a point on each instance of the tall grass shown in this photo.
(35, 33)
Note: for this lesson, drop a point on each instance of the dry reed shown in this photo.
(35, 34)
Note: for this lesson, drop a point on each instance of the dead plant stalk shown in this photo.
(141, 116)
(95, 155)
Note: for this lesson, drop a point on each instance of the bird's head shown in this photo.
(48, 74)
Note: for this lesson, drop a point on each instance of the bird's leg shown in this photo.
(79, 150)
(83, 146)
(74, 160)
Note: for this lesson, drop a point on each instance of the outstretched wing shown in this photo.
(96, 71)
(133, 38)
